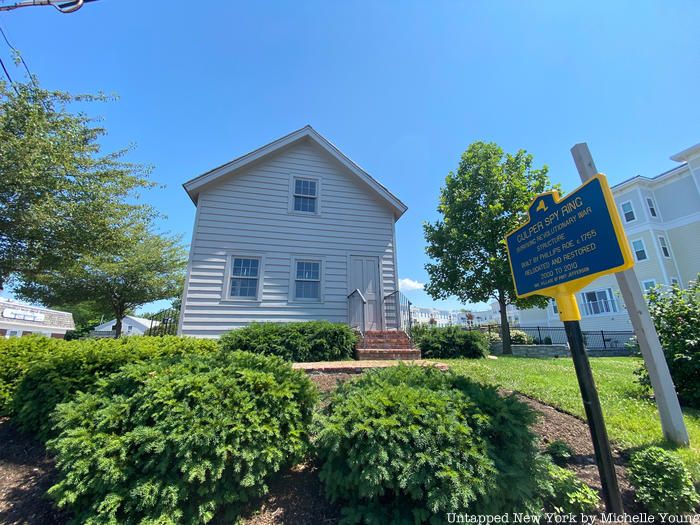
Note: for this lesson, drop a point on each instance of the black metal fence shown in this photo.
(164, 322)
(552, 335)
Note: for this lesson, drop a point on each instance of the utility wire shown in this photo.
(7, 74)
(17, 53)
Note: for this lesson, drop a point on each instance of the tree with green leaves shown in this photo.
(484, 200)
(146, 267)
(60, 196)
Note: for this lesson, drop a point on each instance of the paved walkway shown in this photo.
(357, 367)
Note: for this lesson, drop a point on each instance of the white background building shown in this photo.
(661, 216)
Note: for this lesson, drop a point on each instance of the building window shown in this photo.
(652, 206)
(599, 302)
(555, 308)
(628, 211)
(648, 285)
(245, 277)
(664, 246)
(307, 280)
(639, 250)
(305, 195)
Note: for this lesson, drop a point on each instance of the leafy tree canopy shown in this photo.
(146, 267)
(485, 199)
(60, 196)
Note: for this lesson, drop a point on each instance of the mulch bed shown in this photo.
(295, 497)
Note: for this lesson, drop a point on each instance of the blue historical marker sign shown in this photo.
(568, 242)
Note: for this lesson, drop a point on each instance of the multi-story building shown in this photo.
(661, 216)
(436, 317)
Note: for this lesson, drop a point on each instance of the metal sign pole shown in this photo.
(570, 314)
(665, 395)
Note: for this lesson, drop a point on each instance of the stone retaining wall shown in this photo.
(555, 351)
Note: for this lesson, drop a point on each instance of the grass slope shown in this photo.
(631, 417)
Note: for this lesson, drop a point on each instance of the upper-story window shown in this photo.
(628, 211)
(640, 251)
(648, 285)
(664, 246)
(245, 278)
(305, 195)
(652, 207)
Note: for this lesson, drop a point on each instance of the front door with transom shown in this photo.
(364, 276)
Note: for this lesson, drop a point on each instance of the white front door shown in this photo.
(364, 276)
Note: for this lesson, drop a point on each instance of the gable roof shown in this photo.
(142, 321)
(194, 186)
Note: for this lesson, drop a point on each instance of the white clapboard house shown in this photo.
(293, 231)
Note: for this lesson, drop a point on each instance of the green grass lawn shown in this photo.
(631, 417)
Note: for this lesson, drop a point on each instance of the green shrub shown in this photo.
(676, 315)
(299, 342)
(179, 440)
(662, 482)
(493, 336)
(518, 337)
(17, 355)
(450, 342)
(76, 366)
(559, 451)
(565, 493)
(411, 443)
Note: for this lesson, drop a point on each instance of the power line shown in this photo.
(7, 74)
(17, 53)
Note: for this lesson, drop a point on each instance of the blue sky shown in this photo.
(401, 87)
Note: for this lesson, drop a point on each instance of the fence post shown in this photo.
(539, 336)
(602, 334)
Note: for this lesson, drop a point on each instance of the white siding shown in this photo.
(247, 213)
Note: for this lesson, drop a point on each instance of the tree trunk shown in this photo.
(118, 326)
(505, 327)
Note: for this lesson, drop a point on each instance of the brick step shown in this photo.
(404, 354)
(386, 344)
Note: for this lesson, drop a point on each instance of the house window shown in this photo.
(648, 285)
(628, 211)
(652, 206)
(664, 246)
(307, 280)
(245, 276)
(555, 308)
(305, 195)
(639, 250)
(599, 302)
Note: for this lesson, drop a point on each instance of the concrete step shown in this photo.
(379, 354)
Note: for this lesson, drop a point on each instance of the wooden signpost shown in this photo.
(565, 245)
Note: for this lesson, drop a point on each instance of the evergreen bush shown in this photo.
(17, 355)
(180, 440)
(76, 366)
(450, 342)
(409, 444)
(298, 342)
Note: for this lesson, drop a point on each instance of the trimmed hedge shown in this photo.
(60, 369)
(298, 342)
(180, 440)
(17, 355)
(450, 342)
(409, 444)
